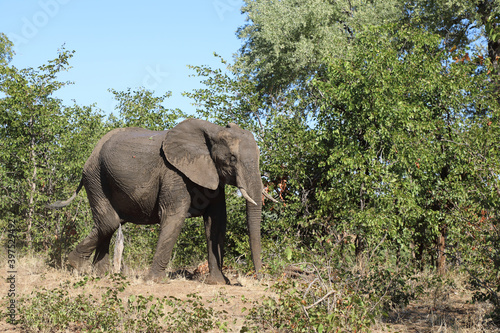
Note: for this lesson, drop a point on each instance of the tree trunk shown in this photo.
(359, 242)
(359, 251)
(117, 255)
(31, 209)
(441, 255)
(32, 188)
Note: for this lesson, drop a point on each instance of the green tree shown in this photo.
(42, 144)
(6, 51)
(459, 23)
(393, 124)
(30, 122)
(142, 109)
(285, 42)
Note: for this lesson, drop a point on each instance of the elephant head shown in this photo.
(212, 156)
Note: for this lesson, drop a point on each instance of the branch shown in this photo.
(376, 247)
(331, 292)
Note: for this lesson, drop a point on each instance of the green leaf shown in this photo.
(288, 253)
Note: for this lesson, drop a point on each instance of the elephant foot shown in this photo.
(77, 262)
(217, 279)
(101, 268)
(156, 277)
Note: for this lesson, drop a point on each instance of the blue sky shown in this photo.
(123, 44)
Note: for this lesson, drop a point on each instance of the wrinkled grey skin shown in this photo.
(147, 177)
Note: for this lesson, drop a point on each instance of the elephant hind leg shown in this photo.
(106, 222)
(101, 256)
(78, 258)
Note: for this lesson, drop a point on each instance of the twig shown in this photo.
(376, 247)
(320, 300)
(309, 287)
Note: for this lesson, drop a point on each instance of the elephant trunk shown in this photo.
(253, 221)
(251, 188)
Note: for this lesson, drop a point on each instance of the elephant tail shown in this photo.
(64, 203)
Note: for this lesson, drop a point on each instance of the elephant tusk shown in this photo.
(268, 196)
(246, 196)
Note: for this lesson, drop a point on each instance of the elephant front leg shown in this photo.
(170, 229)
(215, 228)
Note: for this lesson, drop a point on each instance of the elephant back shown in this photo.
(125, 151)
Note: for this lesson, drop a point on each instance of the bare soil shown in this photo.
(440, 311)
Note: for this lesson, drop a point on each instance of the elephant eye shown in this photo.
(233, 159)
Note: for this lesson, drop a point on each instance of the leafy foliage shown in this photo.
(392, 128)
(6, 51)
(286, 41)
(40, 136)
(140, 108)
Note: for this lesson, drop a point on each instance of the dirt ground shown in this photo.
(445, 311)
(34, 275)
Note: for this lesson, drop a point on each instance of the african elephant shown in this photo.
(147, 177)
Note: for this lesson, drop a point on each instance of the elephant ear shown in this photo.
(186, 148)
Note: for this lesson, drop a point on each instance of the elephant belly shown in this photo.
(130, 166)
(131, 210)
(140, 208)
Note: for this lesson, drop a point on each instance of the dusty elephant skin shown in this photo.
(146, 177)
